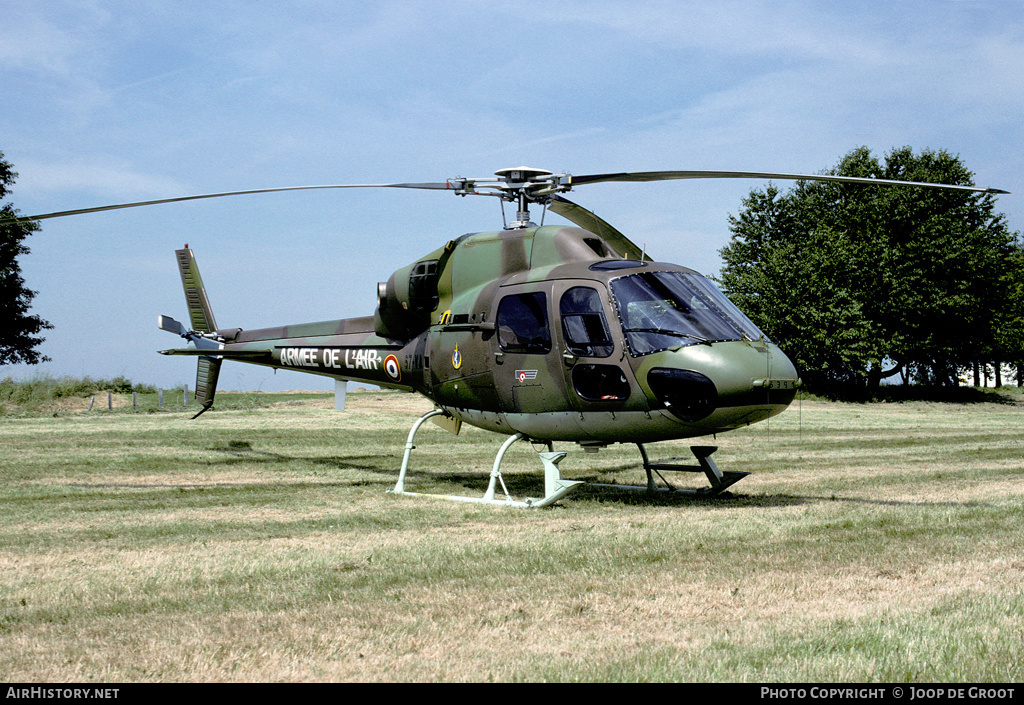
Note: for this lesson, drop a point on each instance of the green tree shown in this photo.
(860, 283)
(19, 331)
(1010, 321)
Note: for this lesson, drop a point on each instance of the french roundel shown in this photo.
(392, 369)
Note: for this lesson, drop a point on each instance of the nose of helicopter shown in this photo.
(724, 384)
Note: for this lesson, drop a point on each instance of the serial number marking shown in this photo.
(777, 383)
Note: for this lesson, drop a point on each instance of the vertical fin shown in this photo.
(206, 381)
(199, 310)
(201, 315)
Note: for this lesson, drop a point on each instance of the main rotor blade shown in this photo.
(672, 175)
(590, 221)
(439, 185)
(567, 182)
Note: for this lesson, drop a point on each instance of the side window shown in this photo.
(523, 323)
(600, 382)
(583, 323)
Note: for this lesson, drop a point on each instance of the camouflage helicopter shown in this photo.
(545, 333)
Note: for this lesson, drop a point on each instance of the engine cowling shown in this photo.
(408, 298)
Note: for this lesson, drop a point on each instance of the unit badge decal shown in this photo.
(456, 358)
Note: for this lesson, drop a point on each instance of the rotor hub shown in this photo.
(524, 185)
(521, 174)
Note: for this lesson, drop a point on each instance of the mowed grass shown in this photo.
(872, 542)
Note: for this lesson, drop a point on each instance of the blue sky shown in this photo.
(106, 102)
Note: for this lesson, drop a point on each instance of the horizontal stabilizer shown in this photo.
(217, 353)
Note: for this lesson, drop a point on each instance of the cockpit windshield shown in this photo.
(662, 310)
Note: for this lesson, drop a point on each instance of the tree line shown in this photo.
(858, 284)
(19, 329)
(861, 284)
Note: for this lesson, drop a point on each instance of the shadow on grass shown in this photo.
(740, 500)
(243, 452)
(521, 484)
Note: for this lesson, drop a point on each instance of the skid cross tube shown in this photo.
(400, 485)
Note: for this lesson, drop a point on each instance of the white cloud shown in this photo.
(113, 180)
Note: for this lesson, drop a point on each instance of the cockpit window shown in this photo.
(662, 310)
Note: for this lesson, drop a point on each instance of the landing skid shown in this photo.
(720, 481)
(554, 486)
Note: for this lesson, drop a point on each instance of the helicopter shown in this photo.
(544, 333)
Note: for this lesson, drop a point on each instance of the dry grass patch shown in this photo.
(871, 542)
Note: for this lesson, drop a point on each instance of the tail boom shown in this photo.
(346, 349)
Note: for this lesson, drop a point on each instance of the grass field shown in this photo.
(873, 542)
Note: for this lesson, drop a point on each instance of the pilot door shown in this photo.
(594, 364)
(558, 365)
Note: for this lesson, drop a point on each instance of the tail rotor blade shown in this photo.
(172, 326)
